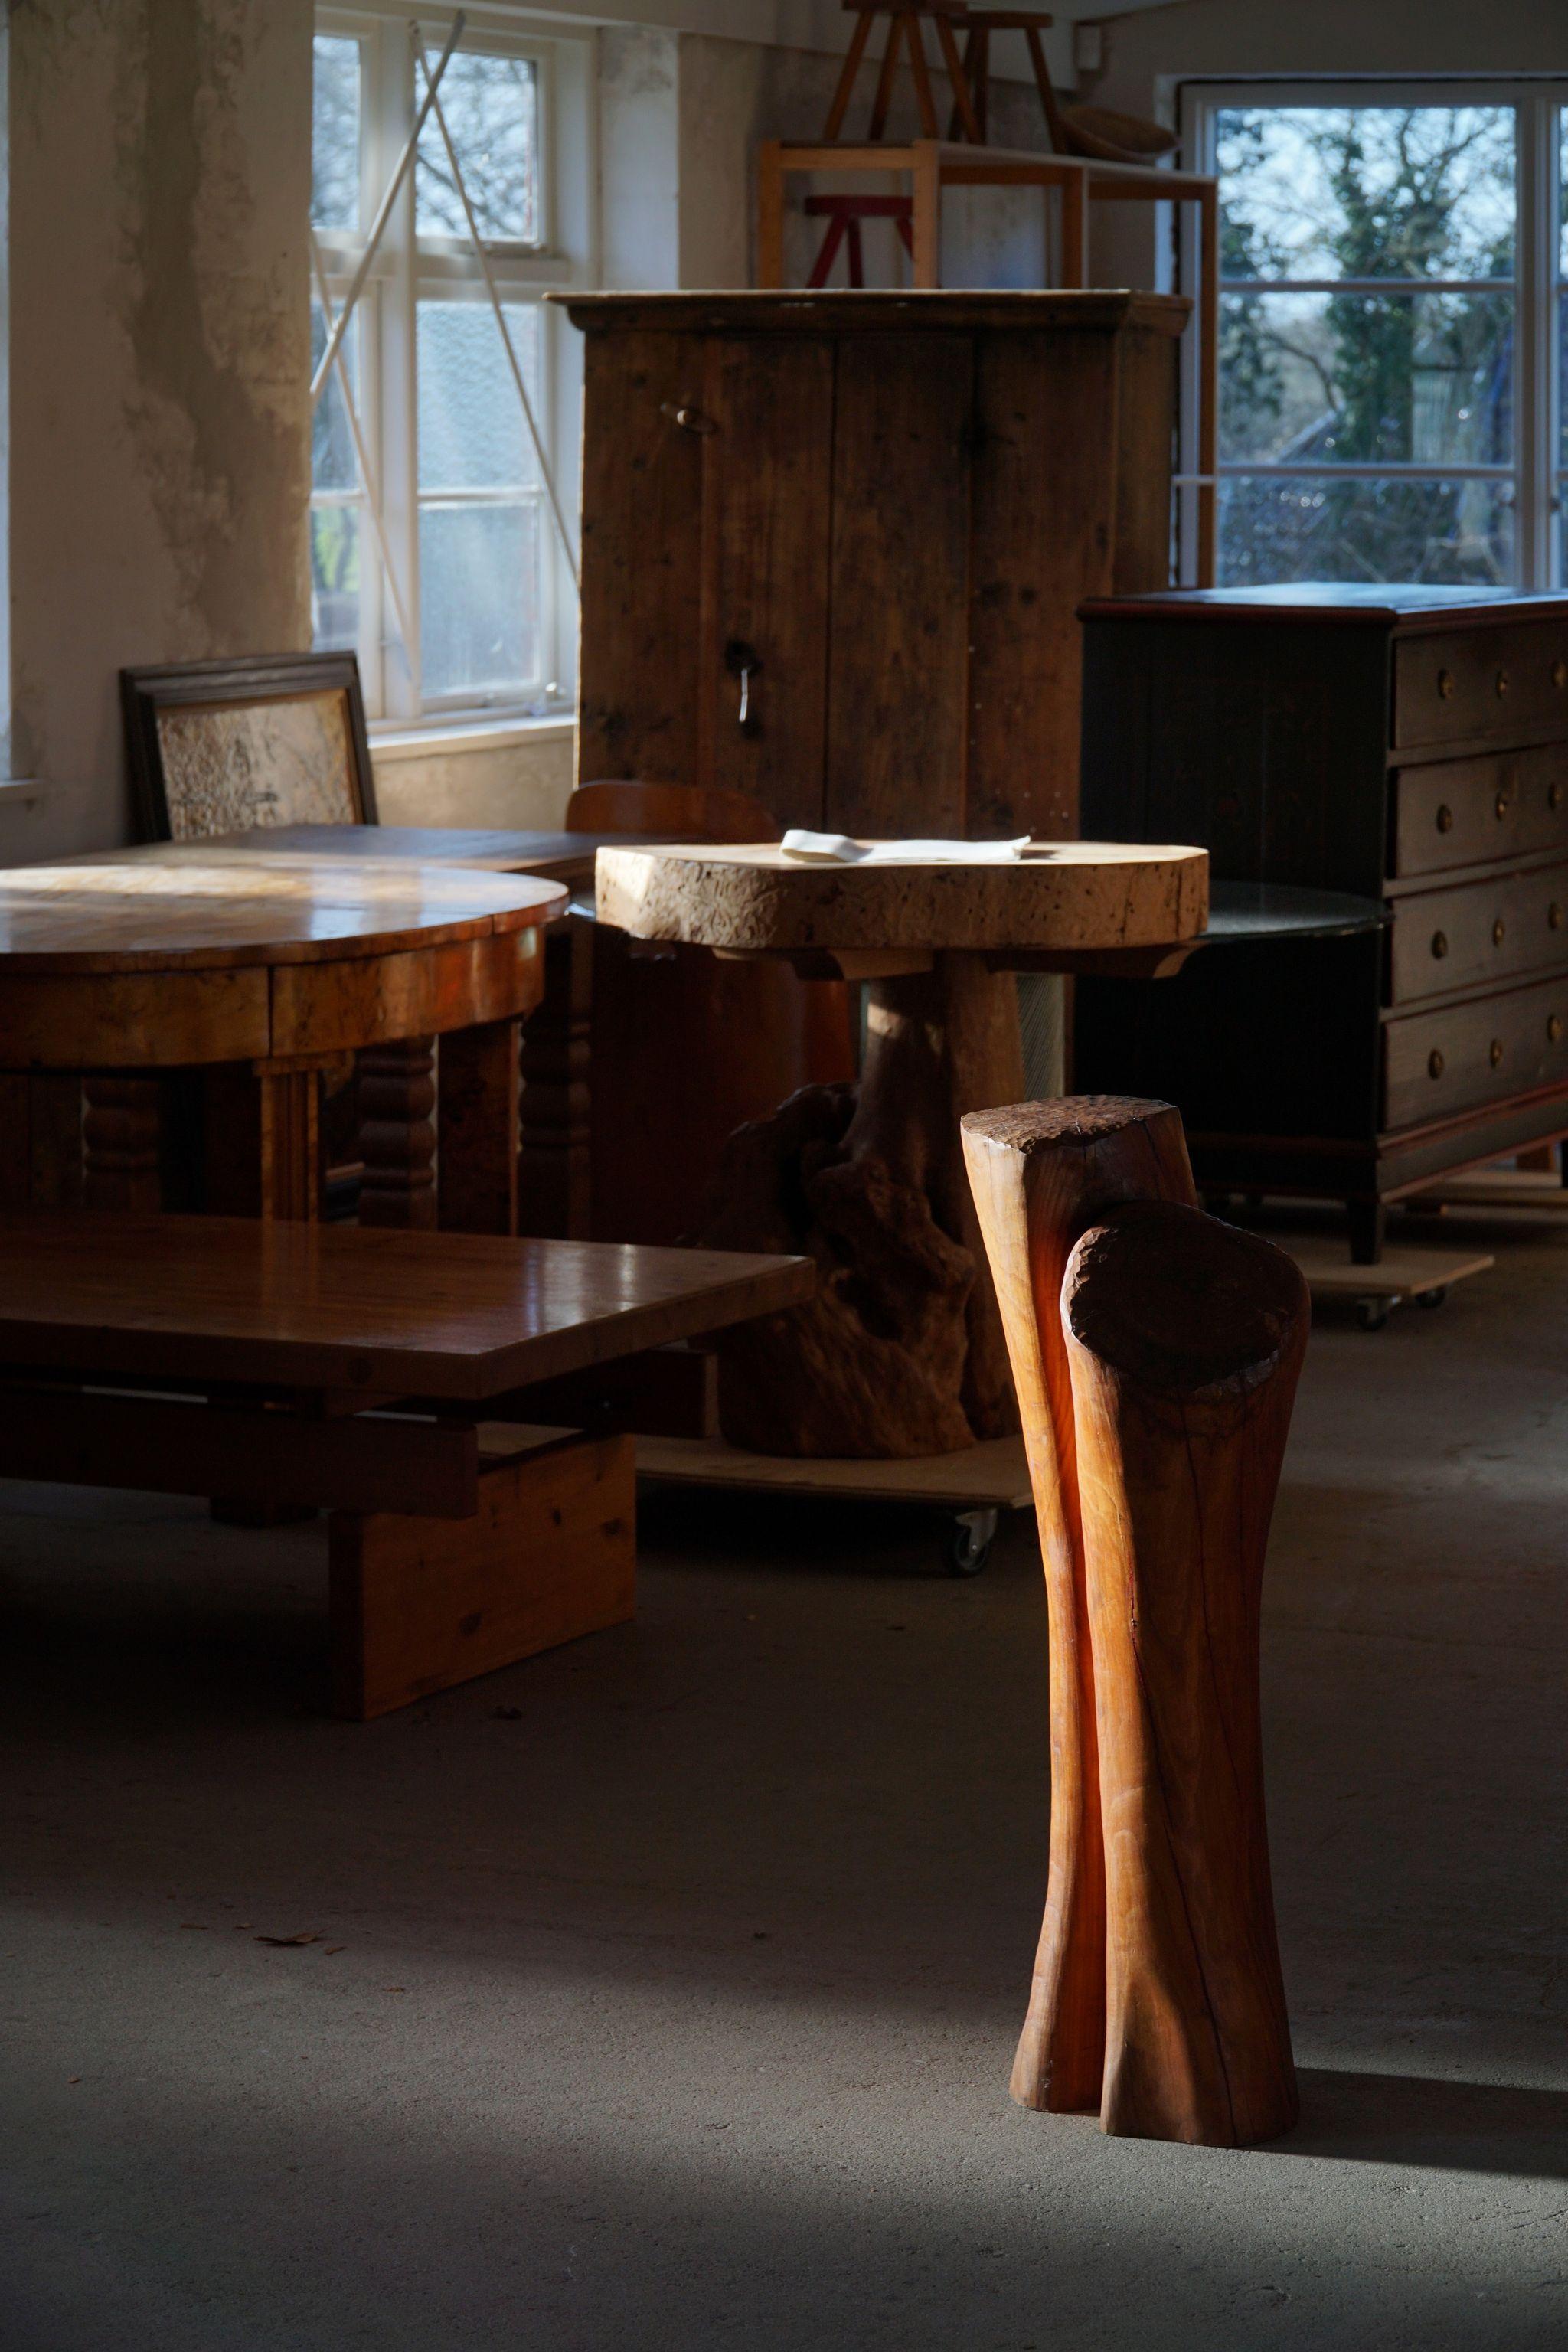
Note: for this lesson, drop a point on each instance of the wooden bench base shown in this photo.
(418, 1604)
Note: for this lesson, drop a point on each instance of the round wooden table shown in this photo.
(901, 1352)
(273, 974)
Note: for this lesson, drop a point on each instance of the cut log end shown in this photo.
(1069, 1118)
(1178, 1302)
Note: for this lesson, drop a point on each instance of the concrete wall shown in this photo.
(159, 183)
(158, 155)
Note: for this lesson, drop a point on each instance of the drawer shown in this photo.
(1443, 941)
(1503, 682)
(1464, 812)
(1438, 1063)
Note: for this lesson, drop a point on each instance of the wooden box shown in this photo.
(1409, 744)
(834, 544)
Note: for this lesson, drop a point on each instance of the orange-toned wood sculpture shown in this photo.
(1155, 1353)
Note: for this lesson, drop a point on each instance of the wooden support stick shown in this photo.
(1041, 1173)
(1183, 1338)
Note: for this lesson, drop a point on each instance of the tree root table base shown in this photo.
(900, 1354)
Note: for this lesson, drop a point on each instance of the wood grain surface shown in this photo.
(1184, 1338)
(755, 899)
(192, 913)
(366, 1312)
(1042, 1172)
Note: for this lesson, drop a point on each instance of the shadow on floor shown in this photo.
(1431, 2121)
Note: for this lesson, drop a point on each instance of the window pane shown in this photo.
(491, 106)
(334, 134)
(1367, 191)
(479, 597)
(334, 578)
(1279, 527)
(472, 432)
(334, 465)
(1366, 379)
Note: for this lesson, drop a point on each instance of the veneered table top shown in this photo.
(365, 1309)
(124, 912)
(1076, 895)
(562, 856)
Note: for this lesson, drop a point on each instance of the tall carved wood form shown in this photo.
(1041, 1173)
(397, 1133)
(1184, 1338)
(1155, 1353)
(901, 1352)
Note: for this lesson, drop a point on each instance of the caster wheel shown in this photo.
(1371, 1314)
(1431, 1298)
(968, 1543)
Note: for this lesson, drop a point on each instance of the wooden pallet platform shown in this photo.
(1538, 1190)
(992, 1475)
(1423, 1274)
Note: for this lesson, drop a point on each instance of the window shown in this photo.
(434, 551)
(1391, 304)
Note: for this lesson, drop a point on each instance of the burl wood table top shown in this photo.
(123, 913)
(367, 1310)
(1080, 894)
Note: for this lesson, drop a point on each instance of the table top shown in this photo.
(1240, 912)
(1070, 896)
(123, 913)
(498, 849)
(368, 1310)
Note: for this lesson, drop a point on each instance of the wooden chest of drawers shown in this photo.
(1409, 744)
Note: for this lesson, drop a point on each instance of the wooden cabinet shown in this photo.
(1409, 744)
(834, 544)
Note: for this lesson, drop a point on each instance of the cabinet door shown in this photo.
(642, 511)
(898, 653)
(766, 495)
(1044, 510)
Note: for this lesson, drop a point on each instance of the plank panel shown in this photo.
(898, 660)
(1041, 543)
(766, 493)
(642, 497)
(419, 1604)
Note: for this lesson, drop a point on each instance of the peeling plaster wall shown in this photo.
(159, 172)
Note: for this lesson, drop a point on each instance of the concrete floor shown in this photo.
(666, 1985)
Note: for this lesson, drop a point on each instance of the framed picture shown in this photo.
(230, 746)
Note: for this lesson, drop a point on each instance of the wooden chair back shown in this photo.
(670, 812)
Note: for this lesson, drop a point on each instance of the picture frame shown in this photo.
(270, 740)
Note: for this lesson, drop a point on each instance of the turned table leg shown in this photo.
(1040, 1173)
(397, 1133)
(477, 1120)
(120, 1135)
(1184, 1338)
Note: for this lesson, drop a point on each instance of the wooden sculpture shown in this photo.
(1155, 1353)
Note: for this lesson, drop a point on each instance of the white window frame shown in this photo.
(1537, 477)
(565, 258)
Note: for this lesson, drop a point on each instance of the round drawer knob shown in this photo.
(1446, 684)
(1554, 796)
(1434, 1063)
(1439, 943)
(1554, 916)
(1496, 1052)
(1499, 932)
(1445, 819)
(1500, 806)
(1553, 1028)
(1559, 674)
(1500, 681)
